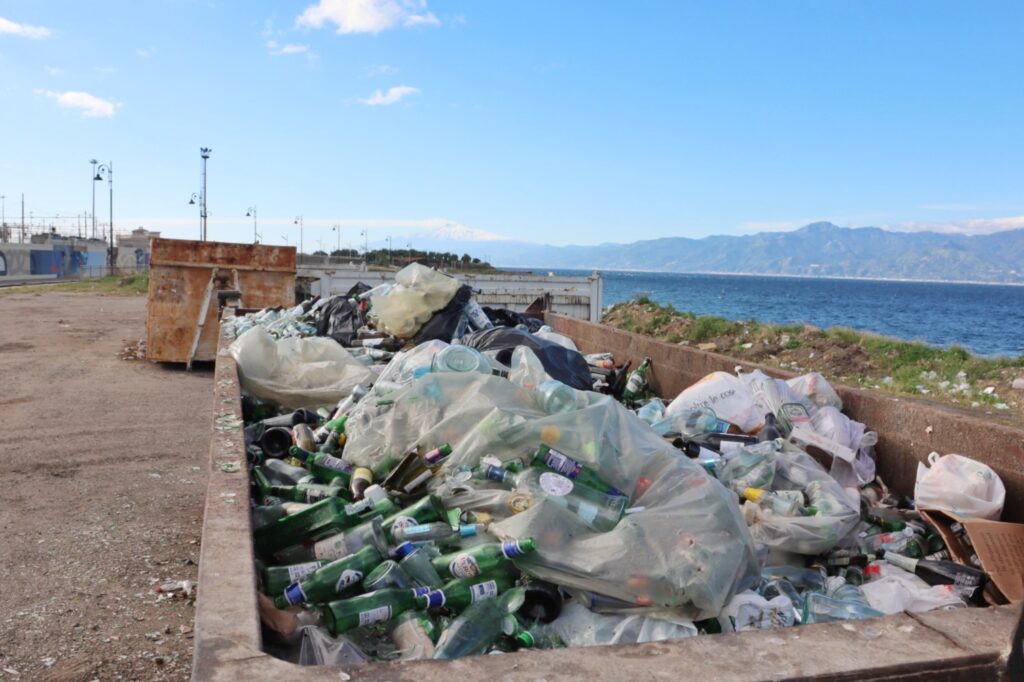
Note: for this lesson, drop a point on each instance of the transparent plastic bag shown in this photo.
(686, 542)
(836, 513)
(549, 334)
(817, 389)
(829, 422)
(578, 626)
(418, 293)
(296, 372)
(319, 648)
(750, 611)
(959, 485)
(727, 395)
(898, 590)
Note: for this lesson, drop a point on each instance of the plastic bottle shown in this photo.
(556, 397)
(458, 358)
(479, 625)
(905, 542)
(478, 319)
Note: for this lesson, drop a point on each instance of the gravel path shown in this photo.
(104, 473)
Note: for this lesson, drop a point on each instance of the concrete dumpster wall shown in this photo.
(962, 645)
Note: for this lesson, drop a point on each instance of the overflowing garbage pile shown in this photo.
(435, 479)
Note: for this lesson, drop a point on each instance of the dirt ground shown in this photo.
(104, 476)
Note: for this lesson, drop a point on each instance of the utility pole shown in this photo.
(93, 162)
(255, 235)
(298, 221)
(3, 221)
(22, 218)
(204, 152)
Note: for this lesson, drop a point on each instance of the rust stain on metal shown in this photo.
(178, 283)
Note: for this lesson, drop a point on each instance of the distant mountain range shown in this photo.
(817, 250)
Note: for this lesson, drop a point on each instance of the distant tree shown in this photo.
(466, 259)
(318, 252)
(476, 261)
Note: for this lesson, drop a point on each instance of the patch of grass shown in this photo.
(674, 338)
(659, 321)
(628, 323)
(643, 299)
(844, 334)
(114, 285)
(792, 344)
(708, 327)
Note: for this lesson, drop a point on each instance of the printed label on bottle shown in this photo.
(299, 571)
(381, 613)
(564, 465)
(335, 464)
(519, 502)
(487, 590)
(555, 484)
(331, 548)
(464, 566)
(587, 511)
(511, 549)
(419, 529)
(403, 522)
(315, 494)
(348, 577)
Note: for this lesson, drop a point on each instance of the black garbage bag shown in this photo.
(358, 288)
(340, 320)
(503, 317)
(564, 364)
(446, 320)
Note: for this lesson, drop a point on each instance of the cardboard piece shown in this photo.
(999, 546)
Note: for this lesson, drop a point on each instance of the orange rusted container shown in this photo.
(185, 278)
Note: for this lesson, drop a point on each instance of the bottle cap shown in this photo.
(468, 530)
(404, 550)
(526, 639)
(753, 494)
(375, 494)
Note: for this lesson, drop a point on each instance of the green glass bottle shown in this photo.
(636, 385)
(459, 593)
(482, 558)
(319, 520)
(374, 607)
(265, 514)
(276, 578)
(336, 545)
(332, 579)
(552, 459)
(327, 467)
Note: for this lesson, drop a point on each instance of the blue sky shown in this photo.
(558, 122)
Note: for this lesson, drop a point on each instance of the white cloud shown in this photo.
(392, 95)
(967, 226)
(367, 16)
(275, 50)
(146, 52)
(105, 69)
(53, 71)
(90, 105)
(381, 70)
(24, 30)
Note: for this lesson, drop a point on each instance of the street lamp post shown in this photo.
(365, 233)
(93, 162)
(390, 260)
(251, 213)
(337, 228)
(204, 152)
(192, 202)
(298, 221)
(3, 219)
(107, 169)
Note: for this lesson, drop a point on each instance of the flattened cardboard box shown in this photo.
(999, 546)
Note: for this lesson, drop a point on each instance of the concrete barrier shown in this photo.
(959, 645)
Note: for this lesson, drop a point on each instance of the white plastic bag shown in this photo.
(296, 372)
(829, 422)
(898, 590)
(960, 485)
(578, 626)
(549, 334)
(726, 395)
(816, 389)
(750, 611)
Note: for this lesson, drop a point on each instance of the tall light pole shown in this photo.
(192, 202)
(107, 169)
(3, 220)
(390, 261)
(204, 153)
(337, 228)
(366, 244)
(298, 221)
(251, 213)
(93, 176)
